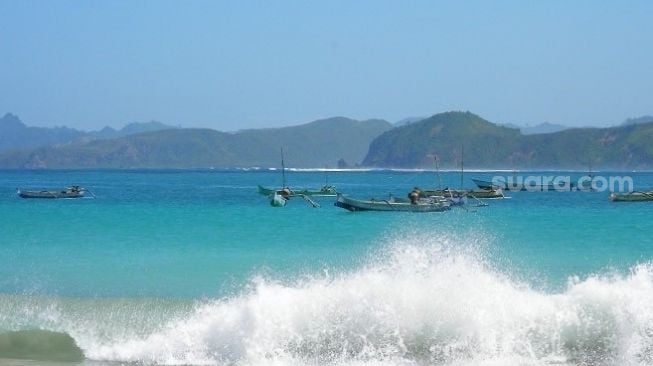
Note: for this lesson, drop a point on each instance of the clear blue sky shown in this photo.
(243, 64)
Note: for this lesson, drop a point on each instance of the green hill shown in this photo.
(487, 145)
(317, 144)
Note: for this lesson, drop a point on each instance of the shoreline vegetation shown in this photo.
(334, 144)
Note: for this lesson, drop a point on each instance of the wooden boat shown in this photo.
(279, 197)
(459, 197)
(68, 192)
(484, 184)
(506, 186)
(496, 193)
(631, 196)
(325, 191)
(431, 204)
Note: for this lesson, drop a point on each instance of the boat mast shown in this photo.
(462, 165)
(283, 171)
(437, 170)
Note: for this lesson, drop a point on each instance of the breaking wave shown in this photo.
(423, 300)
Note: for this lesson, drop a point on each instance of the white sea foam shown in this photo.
(424, 300)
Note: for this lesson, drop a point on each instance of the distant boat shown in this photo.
(496, 193)
(279, 197)
(325, 191)
(68, 192)
(631, 196)
(459, 196)
(506, 186)
(484, 184)
(432, 204)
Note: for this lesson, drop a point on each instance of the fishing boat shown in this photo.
(489, 194)
(520, 186)
(325, 191)
(454, 196)
(431, 204)
(635, 196)
(459, 196)
(496, 193)
(279, 197)
(484, 184)
(67, 192)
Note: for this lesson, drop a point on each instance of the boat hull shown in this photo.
(488, 193)
(506, 186)
(632, 197)
(351, 204)
(326, 191)
(452, 194)
(277, 200)
(63, 193)
(483, 184)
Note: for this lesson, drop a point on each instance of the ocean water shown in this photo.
(195, 268)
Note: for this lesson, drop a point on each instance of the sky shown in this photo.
(230, 65)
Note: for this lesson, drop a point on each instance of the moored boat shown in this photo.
(431, 204)
(496, 193)
(519, 185)
(484, 184)
(280, 198)
(68, 192)
(636, 196)
(325, 191)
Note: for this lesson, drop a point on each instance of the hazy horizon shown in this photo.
(398, 123)
(232, 66)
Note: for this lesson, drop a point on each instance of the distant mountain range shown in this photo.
(333, 142)
(130, 129)
(14, 134)
(487, 145)
(317, 144)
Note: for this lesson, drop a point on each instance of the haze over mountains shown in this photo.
(338, 141)
(317, 144)
(14, 134)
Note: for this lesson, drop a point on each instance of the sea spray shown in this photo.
(423, 299)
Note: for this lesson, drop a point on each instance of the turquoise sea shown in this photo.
(196, 268)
